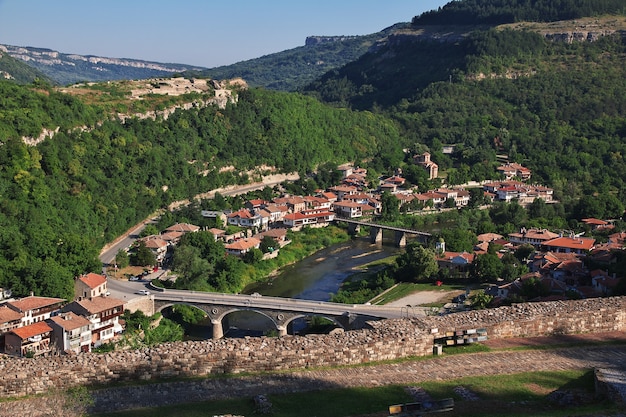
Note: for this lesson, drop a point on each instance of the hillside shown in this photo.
(285, 71)
(18, 71)
(292, 69)
(63, 68)
(557, 107)
(68, 195)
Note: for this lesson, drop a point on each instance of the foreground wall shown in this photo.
(387, 340)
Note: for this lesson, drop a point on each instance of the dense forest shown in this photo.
(557, 108)
(63, 199)
(495, 12)
(292, 69)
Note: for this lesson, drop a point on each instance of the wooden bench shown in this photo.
(420, 408)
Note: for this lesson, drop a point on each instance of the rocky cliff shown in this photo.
(71, 68)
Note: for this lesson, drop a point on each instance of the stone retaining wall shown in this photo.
(387, 340)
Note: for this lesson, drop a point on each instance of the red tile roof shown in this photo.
(99, 304)
(93, 280)
(32, 330)
(244, 244)
(70, 321)
(34, 302)
(579, 243)
(7, 315)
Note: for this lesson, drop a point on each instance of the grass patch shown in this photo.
(500, 395)
(405, 289)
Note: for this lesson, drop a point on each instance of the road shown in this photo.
(289, 304)
(107, 255)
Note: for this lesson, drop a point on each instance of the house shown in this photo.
(532, 236)
(294, 204)
(488, 237)
(214, 214)
(172, 238)
(218, 234)
(597, 224)
(514, 170)
(9, 320)
(577, 245)
(316, 202)
(35, 309)
(424, 161)
(275, 212)
(603, 283)
(437, 199)
(255, 204)
(71, 332)
(103, 313)
(342, 190)
(618, 238)
(247, 218)
(457, 263)
(279, 236)
(309, 217)
(348, 209)
(33, 339)
(183, 227)
(157, 246)
(242, 246)
(90, 285)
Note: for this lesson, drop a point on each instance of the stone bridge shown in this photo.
(376, 231)
(281, 311)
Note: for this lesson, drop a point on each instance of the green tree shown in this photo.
(481, 300)
(268, 244)
(486, 267)
(122, 260)
(253, 256)
(390, 207)
(143, 256)
(417, 263)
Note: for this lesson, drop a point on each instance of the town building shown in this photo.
(90, 285)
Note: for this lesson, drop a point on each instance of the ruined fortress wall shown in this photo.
(387, 340)
(593, 315)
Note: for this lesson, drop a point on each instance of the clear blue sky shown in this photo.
(205, 33)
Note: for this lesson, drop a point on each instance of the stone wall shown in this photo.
(386, 340)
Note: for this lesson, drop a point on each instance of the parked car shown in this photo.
(133, 278)
(143, 292)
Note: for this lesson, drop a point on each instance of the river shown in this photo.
(316, 277)
(320, 275)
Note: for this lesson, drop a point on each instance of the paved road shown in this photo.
(288, 304)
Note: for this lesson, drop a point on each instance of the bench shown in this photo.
(420, 408)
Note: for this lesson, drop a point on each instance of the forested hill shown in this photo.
(292, 69)
(18, 71)
(63, 199)
(549, 95)
(496, 12)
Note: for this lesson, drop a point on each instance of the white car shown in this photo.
(143, 292)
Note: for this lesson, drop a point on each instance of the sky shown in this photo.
(204, 33)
